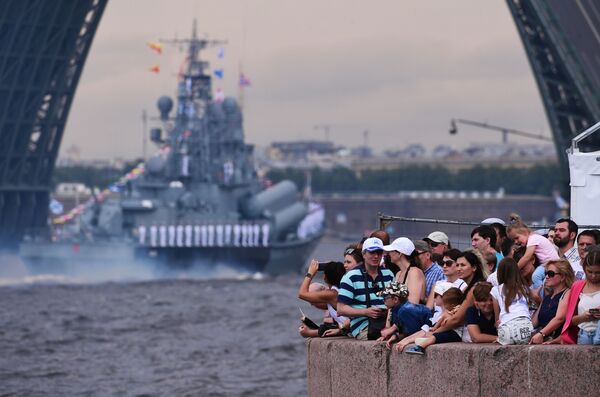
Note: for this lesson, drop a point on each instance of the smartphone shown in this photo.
(323, 265)
(595, 311)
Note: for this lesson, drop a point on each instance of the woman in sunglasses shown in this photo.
(550, 315)
(352, 257)
(450, 269)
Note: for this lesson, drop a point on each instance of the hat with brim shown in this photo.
(402, 245)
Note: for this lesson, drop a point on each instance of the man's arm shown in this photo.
(349, 311)
(478, 337)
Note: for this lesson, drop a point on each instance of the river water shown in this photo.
(228, 335)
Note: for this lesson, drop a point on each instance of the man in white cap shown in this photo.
(357, 296)
(439, 243)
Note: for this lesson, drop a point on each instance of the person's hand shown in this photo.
(303, 329)
(332, 332)
(391, 341)
(400, 346)
(386, 332)
(373, 312)
(537, 339)
(555, 341)
(313, 268)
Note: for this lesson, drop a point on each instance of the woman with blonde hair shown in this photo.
(537, 246)
(550, 316)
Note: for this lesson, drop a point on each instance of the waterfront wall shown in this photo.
(346, 367)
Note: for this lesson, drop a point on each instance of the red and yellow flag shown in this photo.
(155, 46)
(155, 68)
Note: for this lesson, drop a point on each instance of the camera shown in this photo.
(323, 265)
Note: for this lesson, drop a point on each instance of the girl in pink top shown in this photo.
(537, 246)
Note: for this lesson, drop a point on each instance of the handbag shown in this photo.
(569, 331)
(375, 324)
(327, 326)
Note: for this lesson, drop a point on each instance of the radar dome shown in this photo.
(230, 105)
(165, 104)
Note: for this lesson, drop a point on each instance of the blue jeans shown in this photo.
(589, 337)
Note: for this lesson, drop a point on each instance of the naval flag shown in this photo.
(244, 81)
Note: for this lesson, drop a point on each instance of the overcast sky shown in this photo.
(400, 69)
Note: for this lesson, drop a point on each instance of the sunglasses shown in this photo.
(448, 263)
(349, 251)
(433, 244)
(550, 273)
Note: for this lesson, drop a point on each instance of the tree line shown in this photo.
(540, 179)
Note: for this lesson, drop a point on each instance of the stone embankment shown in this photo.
(345, 367)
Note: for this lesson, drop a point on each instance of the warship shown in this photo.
(197, 202)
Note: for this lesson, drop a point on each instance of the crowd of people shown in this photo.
(515, 286)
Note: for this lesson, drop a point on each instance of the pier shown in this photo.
(344, 366)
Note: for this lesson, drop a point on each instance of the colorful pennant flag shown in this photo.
(155, 68)
(219, 95)
(244, 81)
(155, 46)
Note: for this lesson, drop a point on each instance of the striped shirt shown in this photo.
(433, 274)
(353, 293)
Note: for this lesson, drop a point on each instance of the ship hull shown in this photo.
(81, 258)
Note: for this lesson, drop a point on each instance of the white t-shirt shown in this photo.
(460, 284)
(518, 308)
(493, 279)
(587, 302)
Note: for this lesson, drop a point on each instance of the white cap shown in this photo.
(402, 245)
(442, 286)
(372, 244)
(489, 221)
(438, 237)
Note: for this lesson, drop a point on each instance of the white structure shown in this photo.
(585, 181)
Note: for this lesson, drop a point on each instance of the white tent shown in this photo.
(585, 182)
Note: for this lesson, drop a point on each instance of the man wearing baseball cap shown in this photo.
(357, 296)
(432, 271)
(438, 241)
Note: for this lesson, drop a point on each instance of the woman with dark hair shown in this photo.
(511, 305)
(582, 324)
(327, 298)
(450, 269)
(469, 269)
(352, 257)
(402, 252)
(550, 316)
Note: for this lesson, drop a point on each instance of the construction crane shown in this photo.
(505, 131)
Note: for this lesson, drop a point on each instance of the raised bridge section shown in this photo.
(562, 42)
(43, 47)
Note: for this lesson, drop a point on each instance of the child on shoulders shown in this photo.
(537, 247)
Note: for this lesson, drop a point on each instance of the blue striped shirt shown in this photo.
(352, 292)
(433, 274)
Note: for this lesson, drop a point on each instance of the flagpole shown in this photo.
(240, 88)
